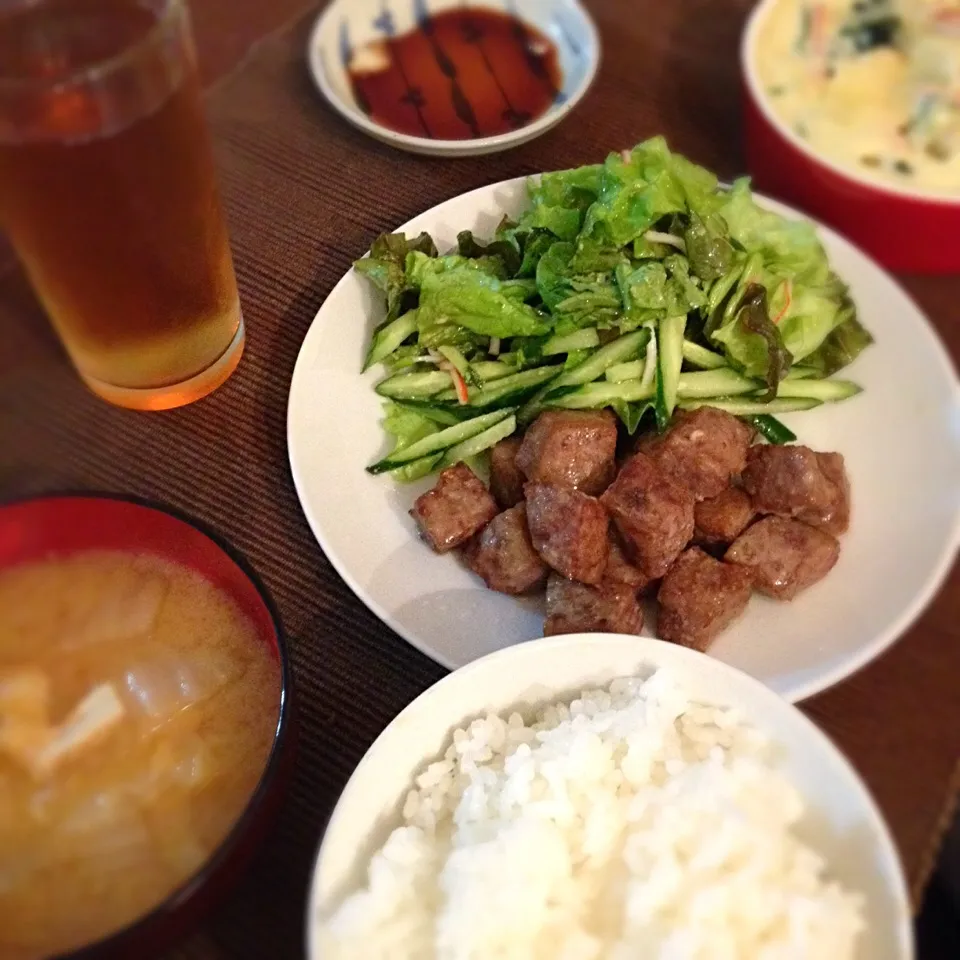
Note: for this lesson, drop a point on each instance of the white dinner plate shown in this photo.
(900, 438)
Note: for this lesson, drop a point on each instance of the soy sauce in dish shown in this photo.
(461, 75)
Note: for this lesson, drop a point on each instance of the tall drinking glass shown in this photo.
(108, 193)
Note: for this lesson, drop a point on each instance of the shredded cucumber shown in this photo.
(441, 440)
(828, 390)
(631, 370)
(387, 339)
(413, 386)
(480, 442)
(701, 357)
(497, 390)
(578, 340)
(714, 383)
(669, 364)
(748, 408)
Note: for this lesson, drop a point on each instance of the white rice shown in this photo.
(632, 823)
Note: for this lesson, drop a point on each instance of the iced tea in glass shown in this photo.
(108, 192)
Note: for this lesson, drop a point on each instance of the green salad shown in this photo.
(637, 284)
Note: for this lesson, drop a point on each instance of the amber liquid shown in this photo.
(117, 220)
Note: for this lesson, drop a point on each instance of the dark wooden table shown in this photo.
(305, 194)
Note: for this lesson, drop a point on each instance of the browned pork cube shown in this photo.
(700, 597)
(571, 448)
(653, 512)
(578, 608)
(506, 478)
(703, 449)
(795, 481)
(454, 510)
(504, 556)
(784, 556)
(620, 569)
(722, 518)
(569, 530)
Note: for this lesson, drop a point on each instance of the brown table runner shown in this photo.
(306, 194)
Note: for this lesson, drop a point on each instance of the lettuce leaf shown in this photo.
(638, 191)
(752, 341)
(468, 246)
(792, 245)
(405, 425)
(576, 299)
(418, 266)
(653, 290)
(708, 246)
(483, 304)
(386, 265)
(842, 346)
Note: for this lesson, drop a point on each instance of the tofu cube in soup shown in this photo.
(506, 478)
(571, 448)
(700, 597)
(503, 555)
(575, 607)
(653, 513)
(721, 519)
(703, 449)
(569, 530)
(795, 481)
(784, 556)
(454, 510)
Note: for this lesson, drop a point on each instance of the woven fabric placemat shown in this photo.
(306, 194)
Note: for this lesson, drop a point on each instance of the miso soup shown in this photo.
(138, 708)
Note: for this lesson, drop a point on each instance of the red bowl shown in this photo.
(904, 230)
(65, 524)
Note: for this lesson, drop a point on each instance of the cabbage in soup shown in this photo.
(137, 710)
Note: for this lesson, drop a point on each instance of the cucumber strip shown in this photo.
(413, 386)
(417, 469)
(593, 396)
(669, 363)
(492, 369)
(828, 390)
(748, 408)
(701, 357)
(578, 340)
(445, 416)
(480, 442)
(617, 351)
(714, 383)
(386, 340)
(441, 440)
(771, 428)
(650, 362)
(631, 370)
(721, 287)
(803, 373)
(456, 358)
(496, 390)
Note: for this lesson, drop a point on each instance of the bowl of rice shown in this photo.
(597, 796)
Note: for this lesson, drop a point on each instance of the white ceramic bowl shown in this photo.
(346, 25)
(843, 821)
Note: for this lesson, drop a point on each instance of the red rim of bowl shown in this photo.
(163, 923)
(748, 42)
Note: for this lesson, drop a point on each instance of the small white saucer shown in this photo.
(347, 25)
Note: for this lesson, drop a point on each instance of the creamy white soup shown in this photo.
(873, 85)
